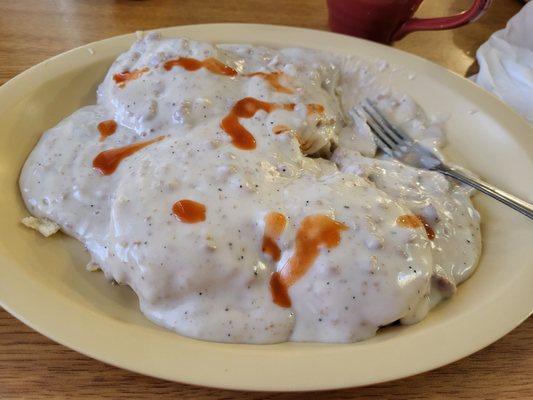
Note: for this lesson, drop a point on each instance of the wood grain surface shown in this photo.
(34, 367)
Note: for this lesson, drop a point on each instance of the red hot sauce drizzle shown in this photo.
(124, 77)
(189, 211)
(279, 291)
(315, 108)
(212, 65)
(217, 67)
(246, 108)
(279, 129)
(191, 64)
(108, 161)
(106, 128)
(273, 80)
(274, 225)
(416, 221)
(315, 231)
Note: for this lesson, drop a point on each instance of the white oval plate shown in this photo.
(43, 282)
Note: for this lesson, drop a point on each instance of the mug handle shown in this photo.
(425, 24)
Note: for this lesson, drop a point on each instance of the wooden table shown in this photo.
(32, 366)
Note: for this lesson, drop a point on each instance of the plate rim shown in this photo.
(90, 347)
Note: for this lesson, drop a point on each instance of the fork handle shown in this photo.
(514, 202)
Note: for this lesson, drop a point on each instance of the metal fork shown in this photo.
(399, 145)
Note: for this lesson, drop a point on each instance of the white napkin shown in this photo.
(506, 63)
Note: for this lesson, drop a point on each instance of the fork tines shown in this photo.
(388, 138)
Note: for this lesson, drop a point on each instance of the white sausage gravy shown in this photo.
(238, 192)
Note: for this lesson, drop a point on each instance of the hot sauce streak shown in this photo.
(409, 221)
(315, 108)
(315, 231)
(274, 225)
(191, 64)
(429, 230)
(416, 221)
(108, 161)
(273, 80)
(246, 108)
(279, 129)
(189, 211)
(280, 292)
(212, 65)
(216, 67)
(106, 128)
(124, 77)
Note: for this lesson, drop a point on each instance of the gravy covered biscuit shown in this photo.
(235, 190)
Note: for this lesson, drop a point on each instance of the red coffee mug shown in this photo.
(388, 20)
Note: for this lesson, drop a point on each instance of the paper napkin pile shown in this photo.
(506, 63)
